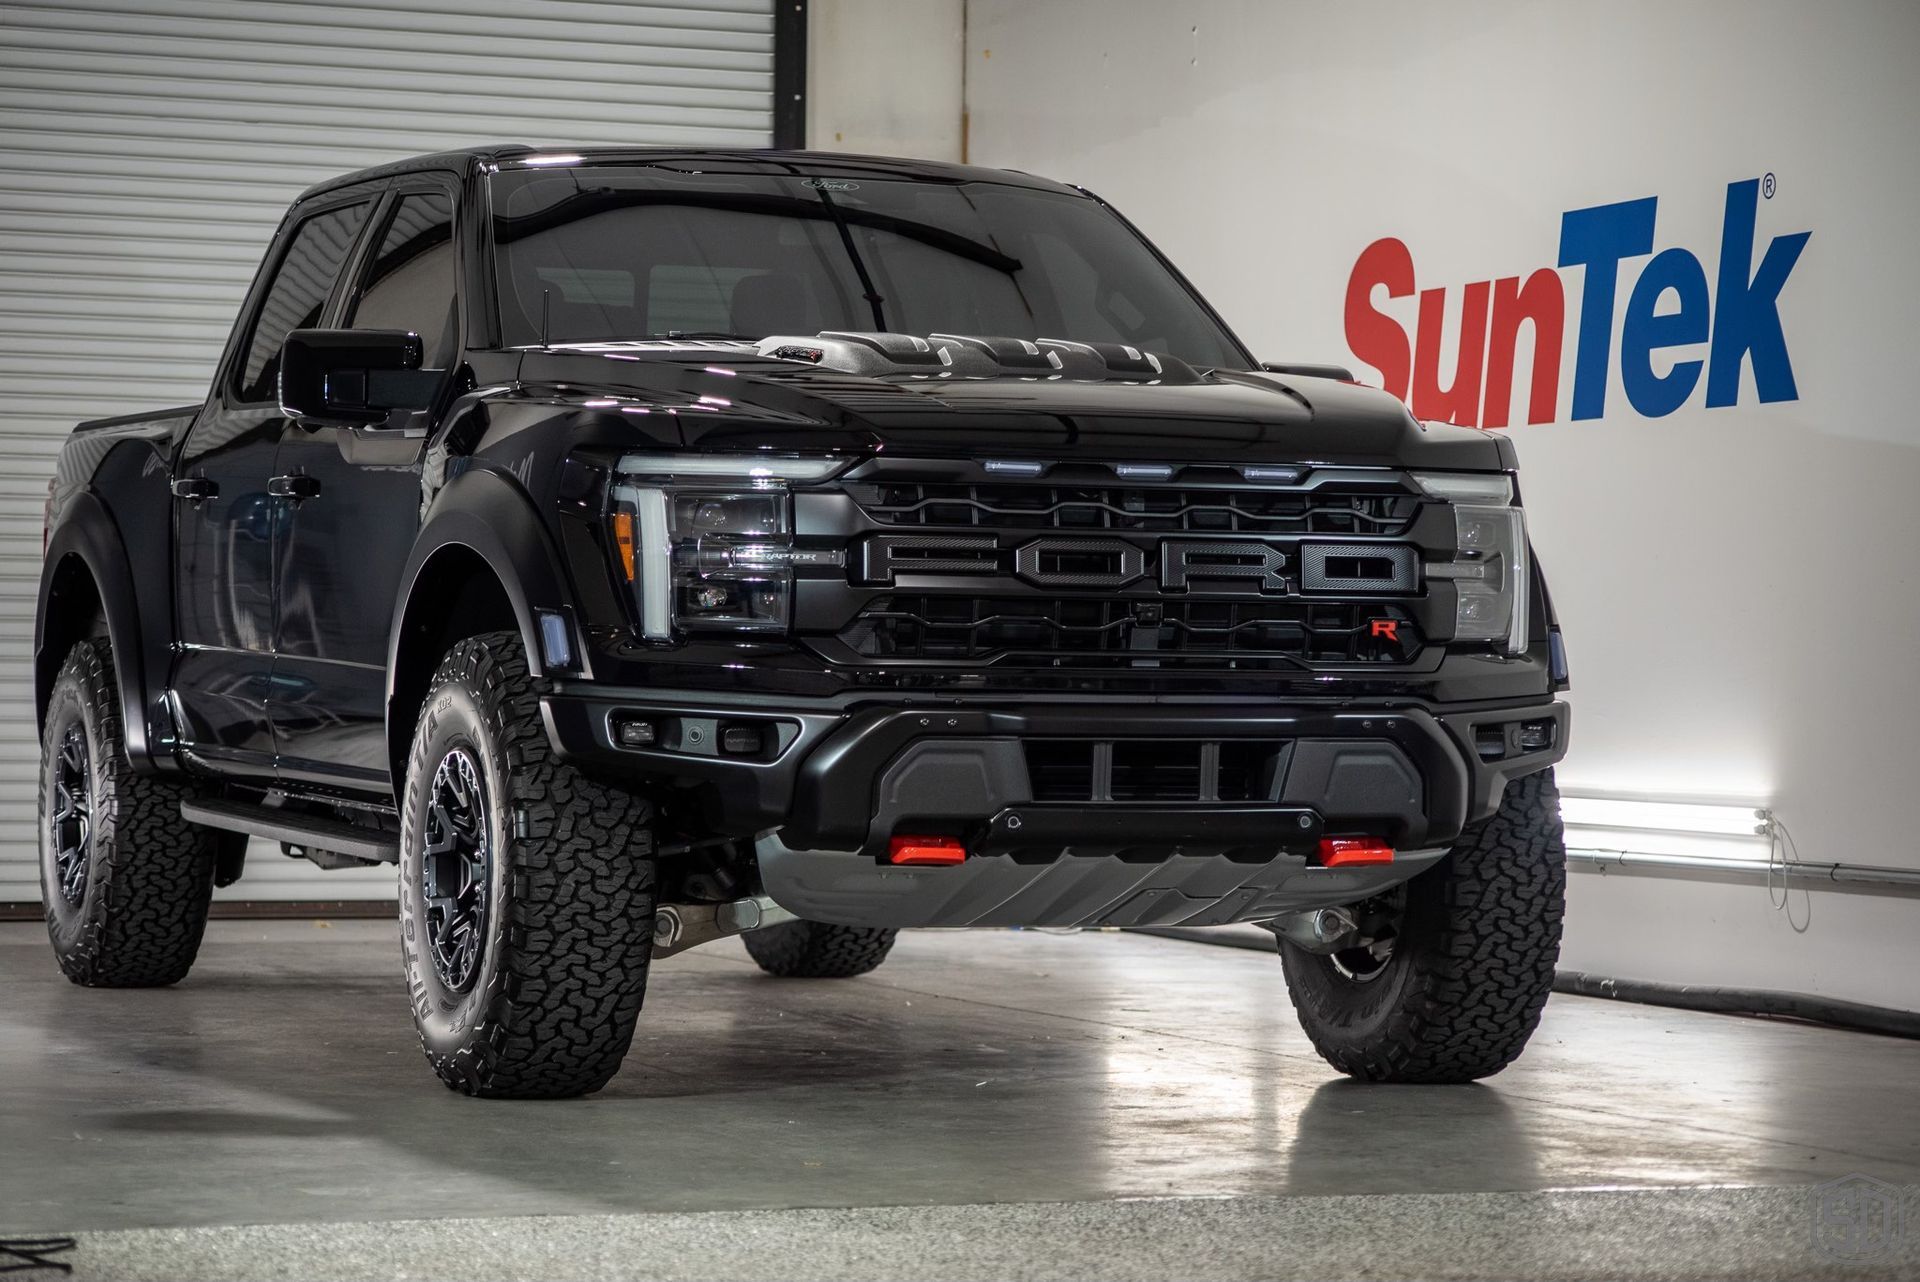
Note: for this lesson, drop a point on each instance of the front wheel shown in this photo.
(527, 890)
(124, 879)
(1448, 978)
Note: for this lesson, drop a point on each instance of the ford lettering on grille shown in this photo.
(1078, 562)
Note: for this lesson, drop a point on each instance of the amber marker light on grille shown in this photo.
(623, 539)
(926, 851)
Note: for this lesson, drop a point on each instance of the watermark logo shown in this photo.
(1689, 320)
(1858, 1218)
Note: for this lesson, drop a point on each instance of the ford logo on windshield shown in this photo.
(830, 184)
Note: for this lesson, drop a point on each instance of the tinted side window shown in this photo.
(410, 282)
(299, 290)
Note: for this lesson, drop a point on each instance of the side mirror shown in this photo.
(353, 375)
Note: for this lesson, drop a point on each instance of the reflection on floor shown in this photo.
(281, 1085)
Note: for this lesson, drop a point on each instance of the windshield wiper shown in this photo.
(868, 290)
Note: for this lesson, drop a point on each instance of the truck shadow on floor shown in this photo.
(266, 1096)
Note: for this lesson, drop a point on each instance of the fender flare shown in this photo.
(87, 532)
(488, 515)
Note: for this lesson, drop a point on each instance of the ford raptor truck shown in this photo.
(641, 547)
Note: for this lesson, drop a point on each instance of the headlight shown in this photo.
(1490, 572)
(707, 540)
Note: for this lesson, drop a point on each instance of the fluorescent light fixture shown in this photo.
(1685, 830)
(1665, 816)
(551, 160)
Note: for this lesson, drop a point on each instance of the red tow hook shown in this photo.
(926, 851)
(1349, 852)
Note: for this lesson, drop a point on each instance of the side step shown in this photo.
(311, 832)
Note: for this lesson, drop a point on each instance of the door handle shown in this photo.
(295, 486)
(195, 489)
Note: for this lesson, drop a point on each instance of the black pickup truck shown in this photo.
(640, 547)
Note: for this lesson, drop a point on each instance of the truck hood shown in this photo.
(721, 400)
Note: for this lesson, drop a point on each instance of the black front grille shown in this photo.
(1080, 631)
(1094, 770)
(1113, 507)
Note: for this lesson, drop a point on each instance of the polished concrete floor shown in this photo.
(979, 1092)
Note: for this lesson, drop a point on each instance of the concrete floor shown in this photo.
(984, 1100)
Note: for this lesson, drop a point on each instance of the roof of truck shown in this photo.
(766, 160)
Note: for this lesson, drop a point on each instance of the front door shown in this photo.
(348, 538)
(227, 518)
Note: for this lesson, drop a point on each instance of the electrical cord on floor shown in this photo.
(17, 1255)
(1744, 1001)
(1885, 1020)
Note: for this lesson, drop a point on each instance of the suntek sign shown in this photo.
(1739, 322)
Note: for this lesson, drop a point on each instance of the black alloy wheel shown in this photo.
(70, 815)
(1445, 979)
(124, 879)
(527, 889)
(457, 869)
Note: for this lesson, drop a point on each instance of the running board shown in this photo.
(313, 834)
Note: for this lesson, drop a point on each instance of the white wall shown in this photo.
(884, 77)
(1737, 583)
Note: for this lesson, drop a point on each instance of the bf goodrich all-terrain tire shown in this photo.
(125, 880)
(815, 950)
(527, 890)
(1470, 962)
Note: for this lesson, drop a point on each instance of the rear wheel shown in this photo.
(527, 890)
(816, 950)
(124, 879)
(1447, 975)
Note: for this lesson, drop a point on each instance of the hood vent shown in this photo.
(969, 356)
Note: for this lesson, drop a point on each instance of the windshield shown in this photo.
(602, 253)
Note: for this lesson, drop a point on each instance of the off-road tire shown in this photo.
(149, 873)
(1472, 964)
(561, 974)
(816, 950)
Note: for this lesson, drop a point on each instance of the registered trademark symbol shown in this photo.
(1766, 186)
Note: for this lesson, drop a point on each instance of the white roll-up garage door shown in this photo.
(148, 149)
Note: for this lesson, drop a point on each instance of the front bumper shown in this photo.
(825, 788)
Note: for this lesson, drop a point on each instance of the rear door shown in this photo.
(226, 517)
(346, 543)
